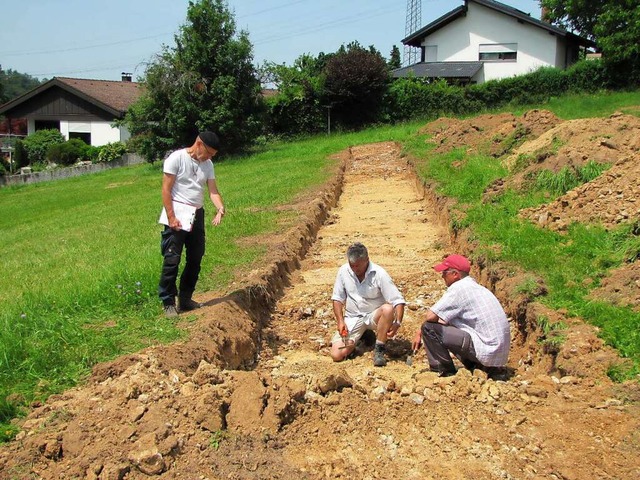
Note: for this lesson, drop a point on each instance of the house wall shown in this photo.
(461, 39)
(101, 132)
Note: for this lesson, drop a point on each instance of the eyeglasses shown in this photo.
(449, 271)
(210, 151)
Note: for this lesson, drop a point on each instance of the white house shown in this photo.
(485, 40)
(78, 108)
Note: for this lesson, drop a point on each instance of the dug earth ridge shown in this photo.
(253, 393)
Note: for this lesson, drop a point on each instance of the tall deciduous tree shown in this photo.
(13, 84)
(3, 99)
(356, 81)
(613, 24)
(207, 81)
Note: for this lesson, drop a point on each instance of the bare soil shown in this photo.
(253, 393)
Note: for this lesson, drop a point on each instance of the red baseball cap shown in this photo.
(457, 262)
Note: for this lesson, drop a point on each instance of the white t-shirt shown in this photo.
(191, 177)
(472, 308)
(359, 298)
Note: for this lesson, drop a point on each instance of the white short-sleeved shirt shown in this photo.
(359, 298)
(472, 308)
(191, 177)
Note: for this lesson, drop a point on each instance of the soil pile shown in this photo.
(253, 394)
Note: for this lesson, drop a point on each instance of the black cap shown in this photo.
(210, 139)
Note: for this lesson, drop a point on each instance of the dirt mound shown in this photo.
(494, 134)
(253, 394)
(611, 199)
(622, 287)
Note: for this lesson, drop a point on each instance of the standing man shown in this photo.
(186, 172)
(372, 302)
(467, 321)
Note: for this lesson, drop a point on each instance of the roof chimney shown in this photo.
(126, 77)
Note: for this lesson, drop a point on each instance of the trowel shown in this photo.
(410, 357)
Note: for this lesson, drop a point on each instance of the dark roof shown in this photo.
(439, 70)
(269, 92)
(113, 96)
(415, 39)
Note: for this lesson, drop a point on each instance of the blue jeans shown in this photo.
(171, 245)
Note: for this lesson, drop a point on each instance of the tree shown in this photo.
(207, 81)
(579, 16)
(13, 84)
(38, 144)
(613, 24)
(296, 108)
(395, 59)
(618, 33)
(3, 98)
(356, 81)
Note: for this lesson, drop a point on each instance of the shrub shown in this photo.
(67, 153)
(587, 76)
(92, 153)
(419, 98)
(111, 151)
(38, 144)
(295, 116)
(20, 157)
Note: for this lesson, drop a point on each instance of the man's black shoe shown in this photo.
(170, 311)
(187, 304)
(497, 373)
(470, 364)
(444, 373)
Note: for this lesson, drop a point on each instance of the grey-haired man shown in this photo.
(364, 298)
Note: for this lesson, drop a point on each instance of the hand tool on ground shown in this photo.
(410, 357)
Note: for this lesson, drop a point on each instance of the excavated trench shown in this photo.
(253, 393)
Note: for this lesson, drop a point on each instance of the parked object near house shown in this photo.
(487, 40)
(78, 108)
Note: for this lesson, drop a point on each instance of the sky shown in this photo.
(102, 39)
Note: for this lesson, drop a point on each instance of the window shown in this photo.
(430, 53)
(47, 125)
(85, 137)
(498, 52)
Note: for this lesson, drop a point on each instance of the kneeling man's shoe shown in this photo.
(444, 372)
(378, 357)
(187, 304)
(497, 373)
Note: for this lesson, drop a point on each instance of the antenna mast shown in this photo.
(414, 17)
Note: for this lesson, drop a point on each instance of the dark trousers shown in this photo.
(442, 340)
(171, 246)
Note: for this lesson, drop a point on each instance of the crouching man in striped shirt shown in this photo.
(467, 321)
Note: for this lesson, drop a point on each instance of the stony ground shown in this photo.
(253, 393)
